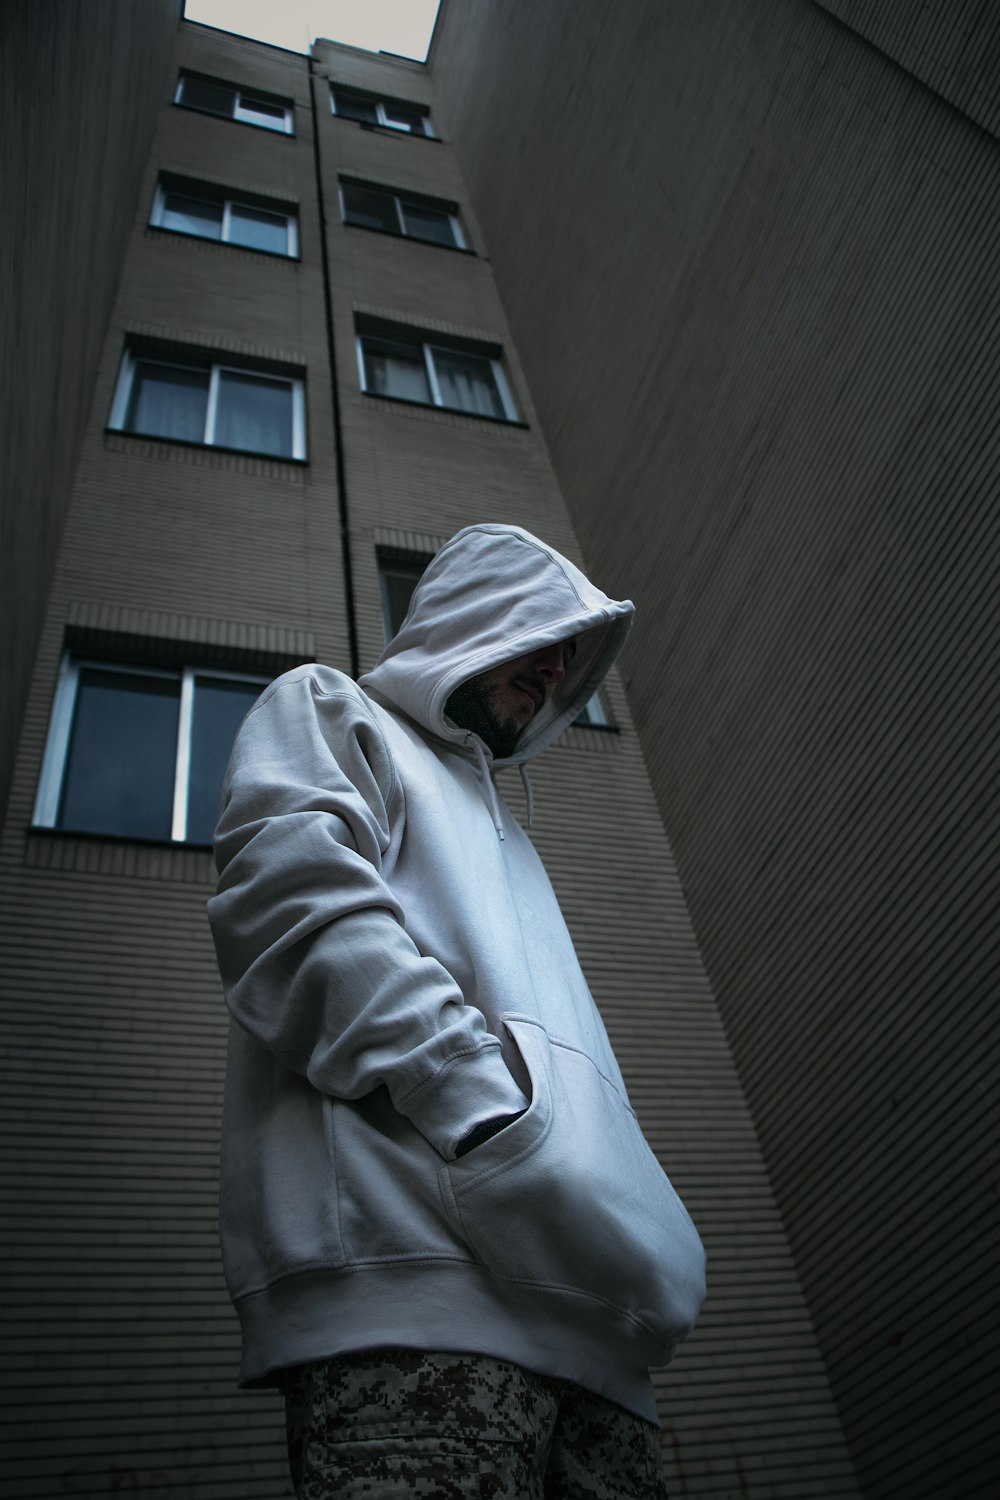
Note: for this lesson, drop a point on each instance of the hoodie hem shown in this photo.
(446, 1306)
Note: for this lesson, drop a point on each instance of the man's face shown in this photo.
(500, 703)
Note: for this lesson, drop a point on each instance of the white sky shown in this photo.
(402, 26)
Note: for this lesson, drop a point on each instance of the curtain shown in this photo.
(254, 414)
(395, 370)
(168, 402)
(466, 382)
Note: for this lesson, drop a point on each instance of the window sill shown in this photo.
(207, 239)
(451, 411)
(410, 239)
(37, 831)
(153, 437)
(600, 728)
(211, 114)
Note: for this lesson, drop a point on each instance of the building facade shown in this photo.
(81, 98)
(308, 381)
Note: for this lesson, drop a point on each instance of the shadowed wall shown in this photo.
(749, 257)
(83, 86)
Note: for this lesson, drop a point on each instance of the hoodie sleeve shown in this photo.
(315, 961)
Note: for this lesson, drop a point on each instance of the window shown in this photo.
(213, 404)
(593, 713)
(209, 216)
(232, 103)
(139, 752)
(418, 219)
(393, 115)
(398, 576)
(399, 364)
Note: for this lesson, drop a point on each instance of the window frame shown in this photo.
(595, 704)
(131, 358)
(382, 121)
(54, 761)
(239, 94)
(388, 560)
(227, 204)
(399, 200)
(427, 348)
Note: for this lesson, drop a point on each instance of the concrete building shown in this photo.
(308, 379)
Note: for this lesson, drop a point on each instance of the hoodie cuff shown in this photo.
(468, 1089)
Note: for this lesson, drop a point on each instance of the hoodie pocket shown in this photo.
(571, 1196)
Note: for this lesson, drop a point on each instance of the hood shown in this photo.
(492, 593)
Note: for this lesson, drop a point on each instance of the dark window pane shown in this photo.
(192, 216)
(260, 112)
(467, 383)
(401, 117)
(428, 224)
(168, 402)
(119, 776)
(398, 582)
(354, 108)
(199, 93)
(254, 414)
(370, 209)
(396, 370)
(258, 230)
(219, 709)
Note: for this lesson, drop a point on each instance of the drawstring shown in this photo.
(529, 795)
(491, 791)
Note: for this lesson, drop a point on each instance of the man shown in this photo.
(442, 1228)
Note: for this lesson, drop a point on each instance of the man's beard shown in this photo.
(470, 706)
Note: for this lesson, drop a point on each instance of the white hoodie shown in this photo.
(399, 971)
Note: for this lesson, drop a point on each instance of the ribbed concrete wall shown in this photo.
(749, 254)
(83, 86)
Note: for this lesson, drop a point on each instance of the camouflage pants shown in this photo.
(397, 1424)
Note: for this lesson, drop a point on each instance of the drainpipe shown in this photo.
(345, 535)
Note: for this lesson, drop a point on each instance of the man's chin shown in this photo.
(470, 707)
(505, 740)
(503, 737)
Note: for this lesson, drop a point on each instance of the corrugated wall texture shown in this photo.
(954, 48)
(749, 253)
(83, 85)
